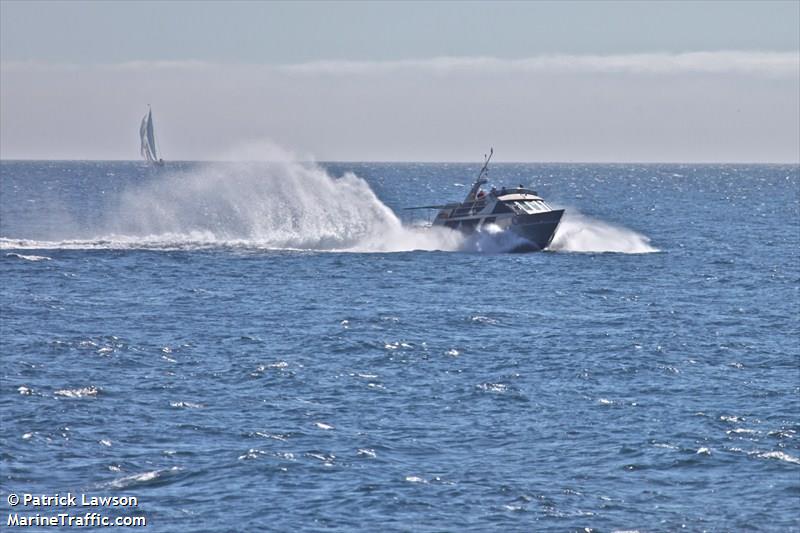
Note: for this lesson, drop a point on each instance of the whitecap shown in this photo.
(325, 458)
(144, 477)
(494, 387)
(781, 456)
(742, 430)
(366, 452)
(187, 405)
(78, 393)
(415, 479)
(25, 391)
(704, 451)
(266, 435)
(30, 257)
(289, 456)
(322, 425)
(664, 445)
(252, 453)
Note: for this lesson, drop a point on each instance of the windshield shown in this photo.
(530, 207)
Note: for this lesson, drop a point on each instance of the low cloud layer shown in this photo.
(758, 63)
(698, 106)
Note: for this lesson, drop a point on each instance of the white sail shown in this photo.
(148, 138)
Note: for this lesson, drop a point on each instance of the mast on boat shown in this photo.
(473, 193)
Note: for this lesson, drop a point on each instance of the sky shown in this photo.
(404, 81)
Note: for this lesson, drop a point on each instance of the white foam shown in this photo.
(78, 393)
(283, 204)
(580, 233)
(781, 456)
(29, 257)
(492, 239)
(144, 477)
(186, 405)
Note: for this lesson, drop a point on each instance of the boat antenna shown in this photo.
(485, 168)
(473, 193)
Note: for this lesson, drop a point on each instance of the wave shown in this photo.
(29, 257)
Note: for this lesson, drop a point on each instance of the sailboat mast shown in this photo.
(151, 136)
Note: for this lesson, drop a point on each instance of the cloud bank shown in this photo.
(766, 63)
(696, 106)
(714, 62)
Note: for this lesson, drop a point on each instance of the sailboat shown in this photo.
(148, 149)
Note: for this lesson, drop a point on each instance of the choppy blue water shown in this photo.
(248, 347)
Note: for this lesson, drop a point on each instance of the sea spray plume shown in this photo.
(280, 204)
(580, 233)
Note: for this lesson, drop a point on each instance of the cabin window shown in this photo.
(525, 207)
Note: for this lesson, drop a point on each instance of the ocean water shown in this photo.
(282, 347)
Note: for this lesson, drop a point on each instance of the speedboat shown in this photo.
(518, 209)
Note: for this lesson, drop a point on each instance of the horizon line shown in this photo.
(386, 161)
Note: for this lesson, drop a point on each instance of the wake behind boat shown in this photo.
(519, 210)
(148, 138)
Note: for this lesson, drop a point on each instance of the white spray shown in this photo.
(580, 233)
(282, 204)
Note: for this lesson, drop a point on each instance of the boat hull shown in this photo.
(537, 229)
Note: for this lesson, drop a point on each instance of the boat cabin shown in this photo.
(487, 208)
